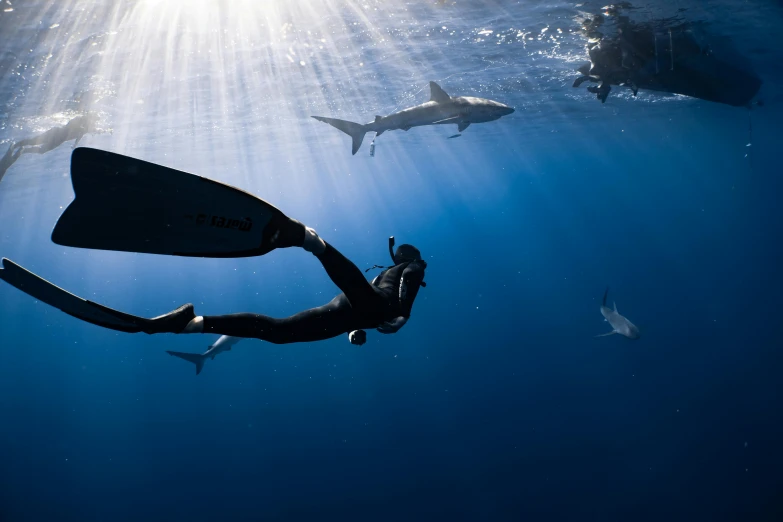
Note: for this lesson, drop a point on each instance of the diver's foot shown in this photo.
(313, 243)
(292, 233)
(196, 325)
(175, 321)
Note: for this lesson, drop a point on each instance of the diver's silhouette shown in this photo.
(53, 138)
(75, 130)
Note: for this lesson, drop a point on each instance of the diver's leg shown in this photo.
(605, 90)
(346, 275)
(316, 324)
(349, 279)
(27, 142)
(579, 81)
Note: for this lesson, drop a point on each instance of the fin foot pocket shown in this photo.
(282, 232)
(172, 322)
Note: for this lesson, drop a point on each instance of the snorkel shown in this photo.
(391, 248)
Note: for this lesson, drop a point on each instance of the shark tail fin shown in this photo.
(196, 358)
(355, 130)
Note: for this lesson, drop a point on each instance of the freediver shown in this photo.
(97, 219)
(606, 67)
(75, 129)
(384, 304)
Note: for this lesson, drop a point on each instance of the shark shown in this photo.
(442, 109)
(223, 344)
(620, 325)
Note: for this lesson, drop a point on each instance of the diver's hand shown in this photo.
(358, 337)
(390, 327)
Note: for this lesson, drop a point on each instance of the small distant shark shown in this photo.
(440, 110)
(223, 344)
(620, 325)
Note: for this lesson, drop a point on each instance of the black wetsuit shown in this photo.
(362, 305)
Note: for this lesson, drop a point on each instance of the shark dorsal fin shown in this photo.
(615, 306)
(437, 94)
(378, 118)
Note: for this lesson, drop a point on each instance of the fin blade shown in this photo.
(615, 305)
(355, 130)
(606, 334)
(196, 358)
(129, 205)
(437, 94)
(606, 293)
(461, 126)
(73, 305)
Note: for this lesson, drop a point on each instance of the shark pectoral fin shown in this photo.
(437, 94)
(461, 126)
(406, 129)
(606, 334)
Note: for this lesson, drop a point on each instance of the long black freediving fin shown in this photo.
(129, 205)
(69, 303)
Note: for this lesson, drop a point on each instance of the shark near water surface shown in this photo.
(440, 110)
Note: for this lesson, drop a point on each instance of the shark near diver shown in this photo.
(440, 110)
(620, 325)
(223, 344)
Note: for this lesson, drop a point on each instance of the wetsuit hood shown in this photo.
(406, 252)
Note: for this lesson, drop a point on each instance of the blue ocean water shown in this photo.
(495, 402)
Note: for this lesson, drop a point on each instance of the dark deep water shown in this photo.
(495, 402)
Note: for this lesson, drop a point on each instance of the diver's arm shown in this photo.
(412, 279)
(390, 327)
